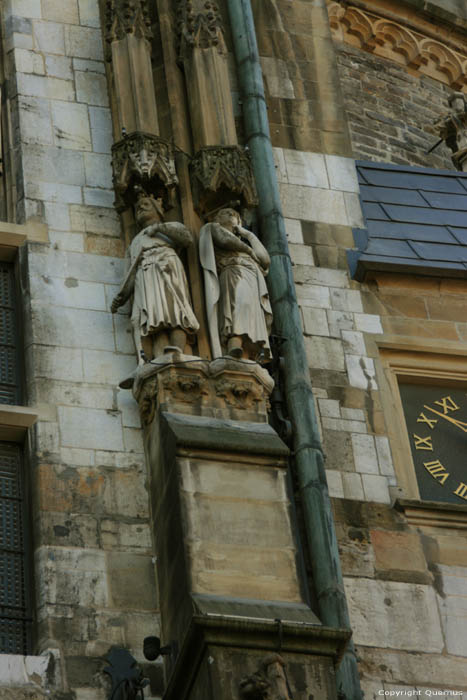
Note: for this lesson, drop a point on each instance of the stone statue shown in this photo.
(161, 315)
(235, 263)
(453, 129)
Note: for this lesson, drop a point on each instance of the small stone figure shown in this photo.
(235, 263)
(161, 311)
(453, 129)
(269, 683)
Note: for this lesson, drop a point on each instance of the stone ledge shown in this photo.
(250, 634)
(15, 422)
(13, 236)
(433, 514)
(225, 435)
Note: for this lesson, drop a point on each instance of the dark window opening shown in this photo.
(15, 619)
(9, 375)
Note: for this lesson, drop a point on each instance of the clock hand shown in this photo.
(460, 424)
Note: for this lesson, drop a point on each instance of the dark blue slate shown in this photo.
(416, 221)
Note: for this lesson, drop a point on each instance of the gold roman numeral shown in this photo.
(461, 491)
(437, 470)
(423, 443)
(430, 421)
(447, 404)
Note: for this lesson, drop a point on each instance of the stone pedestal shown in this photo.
(227, 559)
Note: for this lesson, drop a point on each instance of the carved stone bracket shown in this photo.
(238, 393)
(268, 683)
(124, 17)
(453, 130)
(199, 25)
(220, 174)
(383, 37)
(145, 160)
(186, 384)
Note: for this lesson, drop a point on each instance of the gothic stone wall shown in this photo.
(406, 587)
(94, 574)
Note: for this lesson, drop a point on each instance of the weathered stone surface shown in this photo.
(403, 615)
(398, 551)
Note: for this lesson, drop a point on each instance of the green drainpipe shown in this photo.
(308, 454)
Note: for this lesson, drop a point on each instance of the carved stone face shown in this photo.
(228, 218)
(146, 212)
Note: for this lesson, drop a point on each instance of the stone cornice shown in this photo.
(419, 52)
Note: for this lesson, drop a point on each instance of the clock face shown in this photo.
(436, 420)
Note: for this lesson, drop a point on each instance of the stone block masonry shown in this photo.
(94, 572)
(320, 198)
(390, 113)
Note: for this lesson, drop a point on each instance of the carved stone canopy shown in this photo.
(220, 174)
(199, 25)
(144, 160)
(124, 17)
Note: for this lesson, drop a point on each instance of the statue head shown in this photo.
(458, 102)
(148, 210)
(228, 218)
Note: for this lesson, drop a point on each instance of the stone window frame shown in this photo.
(16, 420)
(423, 362)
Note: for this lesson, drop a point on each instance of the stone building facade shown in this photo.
(176, 510)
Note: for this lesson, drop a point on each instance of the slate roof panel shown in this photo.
(445, 201)
(420, 215)
(415, 232)
(374, 211)
(394, 248)
(437, 251)
(460, 234)
(426, 226)
(391, 195)
(412, 181)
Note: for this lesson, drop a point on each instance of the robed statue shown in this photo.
(162, 316)
(235, 265)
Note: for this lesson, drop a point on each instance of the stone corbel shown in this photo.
(220, 174)
(145, 160)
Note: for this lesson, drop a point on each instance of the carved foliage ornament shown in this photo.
(199, 25)
(145, 160)
(124, 17)
(389, 39)
(228, 168)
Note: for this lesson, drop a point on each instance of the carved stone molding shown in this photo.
(145, 160)
(388, 39)
(199, 25)
(222, 173)
(186, 384)
(124, 17)
(268, 683)
(238, 393)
